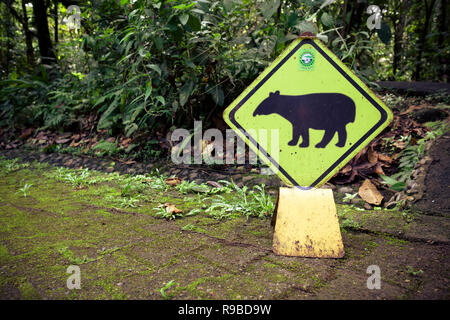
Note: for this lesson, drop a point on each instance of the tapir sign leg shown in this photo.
(342, 133)
(305, 138)
(329, 134)
(295, 137)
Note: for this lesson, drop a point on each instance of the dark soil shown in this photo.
(437, 183)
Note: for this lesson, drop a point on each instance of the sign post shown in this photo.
(323, 115)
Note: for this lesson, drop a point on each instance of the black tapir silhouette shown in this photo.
(322, 111)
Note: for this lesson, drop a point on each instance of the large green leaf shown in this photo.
(384, 32)
(105, 120)
(184, 18)
(399, 186)
(292, 20)
(194, 23)
(306, 26)
(185, 92)
(395, 185)
(148, 90)
(217, 95)
(159, 42)
(327, 19)
(269, 8)
(155, 67)
(130, 129)
(228, 5)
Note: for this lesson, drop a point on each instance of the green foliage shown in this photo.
(165, 288)
(71, 257)
(129, 202)
(192, 187)
(142, 67)
(346, 220)
(166, 51)
(106, 148)
(76, 178)
(394, 184)
(393, 101)
(12, 165)
(163, 213)
(410, 270)
(412, 154)
(25, 189)
(186, 186)
(152, 64)
(149, 150)
(191, 227)
(349, 197)
(384, 32)
(18, 98)
(349, 223)
(254, 203)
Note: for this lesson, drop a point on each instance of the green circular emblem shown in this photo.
(307, 59)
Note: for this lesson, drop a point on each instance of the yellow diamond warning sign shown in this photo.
(307, 114)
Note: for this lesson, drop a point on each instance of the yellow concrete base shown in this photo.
(307, 224)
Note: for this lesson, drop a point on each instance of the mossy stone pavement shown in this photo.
(129, 253)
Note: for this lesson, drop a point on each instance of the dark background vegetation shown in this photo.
(138, 69)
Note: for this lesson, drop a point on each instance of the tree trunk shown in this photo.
(398, 35)
(277, 17)
(55, 17)
(344, 16)
(348, 26)
(421, 44)
(358, 10)
(28, 36)
(43, 34)
(8, 42)
(443, 33)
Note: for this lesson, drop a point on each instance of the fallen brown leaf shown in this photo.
(170, 208)
(214, 184)
(400, 144)
(385, 158)
(364, 165)
(359, 154)
(62, 141)
(74, 144)
(128, 161)
(125, 142)
(379, 169)
(369, 193)
(372, 156)
(173, 181)
(65, 135)
(26, 133)
(346, 169)
(352, 177)
(412, 108)
(41, 136)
